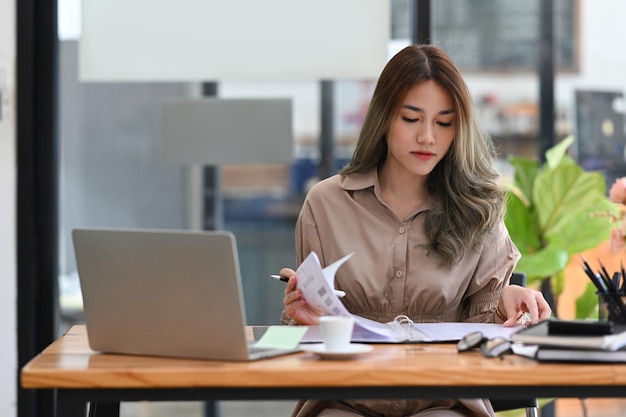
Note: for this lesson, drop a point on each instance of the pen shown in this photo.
(605, 275)
(615, 280)
(280, 278)
(603, 291)
(596, 279)
(338, 293)
(607, 288)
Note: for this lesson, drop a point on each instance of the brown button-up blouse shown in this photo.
(390, 274)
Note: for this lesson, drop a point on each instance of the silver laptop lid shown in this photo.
(162, 292)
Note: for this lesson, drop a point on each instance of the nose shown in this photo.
(425, 135)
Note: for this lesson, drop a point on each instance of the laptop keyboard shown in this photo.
(255, 349)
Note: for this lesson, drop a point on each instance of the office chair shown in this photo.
(530, 404)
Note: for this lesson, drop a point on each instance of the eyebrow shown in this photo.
(420, 110)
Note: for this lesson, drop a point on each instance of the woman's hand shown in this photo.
(296, 307)
(515, 301)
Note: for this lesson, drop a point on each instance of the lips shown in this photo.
(423, 155)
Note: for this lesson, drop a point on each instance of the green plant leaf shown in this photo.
(555, 154)
(555, 211)
(583, 230)
(557, 282)
(543, 263)
(522, 225)
(563, 192)
(524, 178)
(587, 303)
(567, 160)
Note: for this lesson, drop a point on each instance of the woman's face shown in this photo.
(422, 131)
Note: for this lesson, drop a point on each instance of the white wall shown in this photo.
(602, 66)
(8, 346)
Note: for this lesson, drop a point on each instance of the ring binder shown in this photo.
(402, 324)
(316, 284)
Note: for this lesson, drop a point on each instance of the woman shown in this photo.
(420, 208)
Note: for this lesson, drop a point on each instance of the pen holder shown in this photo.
(611, 306)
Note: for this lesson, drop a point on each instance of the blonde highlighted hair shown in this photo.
(467, 200)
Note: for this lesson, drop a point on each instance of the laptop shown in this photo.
(174, 293)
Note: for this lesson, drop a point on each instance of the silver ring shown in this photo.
(524, 318)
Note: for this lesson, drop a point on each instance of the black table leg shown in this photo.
(69, 405)
(210, 409)
(104, 409)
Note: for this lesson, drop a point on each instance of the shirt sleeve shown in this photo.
(307, 240)
(497, 261)
(307, 236)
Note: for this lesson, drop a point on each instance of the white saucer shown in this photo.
(354, 350)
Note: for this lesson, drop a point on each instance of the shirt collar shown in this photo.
(360, 180)
(369, 179)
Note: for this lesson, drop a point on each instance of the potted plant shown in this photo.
(552, 214)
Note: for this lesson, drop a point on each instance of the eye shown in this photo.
(409, 120)
(442, 124)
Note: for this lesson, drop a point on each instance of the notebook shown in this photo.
(539, 334)
(174, 293)
(554, 354)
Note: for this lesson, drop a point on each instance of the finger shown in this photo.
(535, 307)
(545, 306)
(291, 284)
(287, 300)
(533, 314)
(545, 311)
(512, 318)
(510, 322)
(295, 295)
(287, 272)
(525, 308)
(291, 296)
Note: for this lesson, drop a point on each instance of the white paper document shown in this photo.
(317, 286)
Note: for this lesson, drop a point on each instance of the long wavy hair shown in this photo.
(467, 202)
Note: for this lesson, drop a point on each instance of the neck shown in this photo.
(401, 191)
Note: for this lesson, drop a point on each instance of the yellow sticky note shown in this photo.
(282, 337)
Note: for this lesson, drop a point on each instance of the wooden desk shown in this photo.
(80, 375)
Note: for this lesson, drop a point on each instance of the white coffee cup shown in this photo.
(336, 332)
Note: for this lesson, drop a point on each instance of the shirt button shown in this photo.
(402, 230)
(399, 274)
